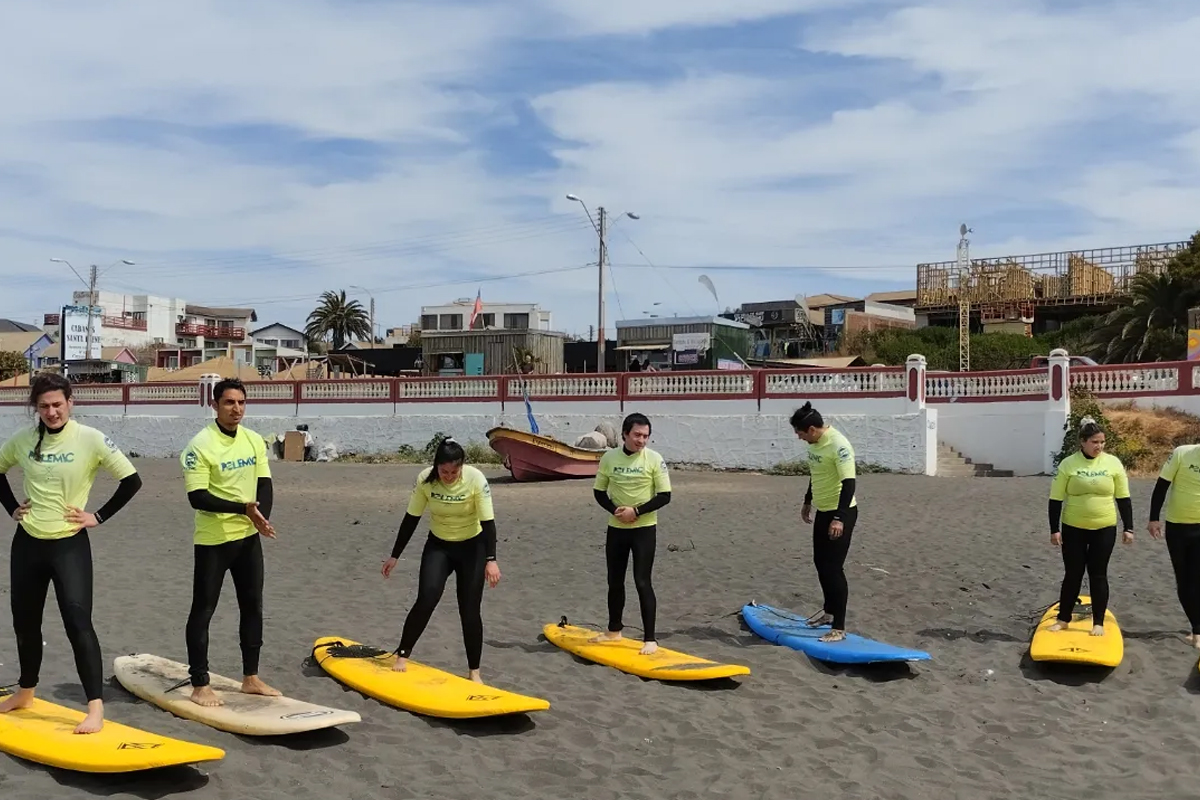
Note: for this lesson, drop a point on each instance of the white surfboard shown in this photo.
(164, 683)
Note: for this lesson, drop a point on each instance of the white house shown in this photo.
(129, 320)
(277, 346)
(506, 316)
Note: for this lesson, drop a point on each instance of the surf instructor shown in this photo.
(831, 488)
(1180, 477)
(228, 483)
(462, 541)
(1083, 521)
(632, 484)
(59, 459)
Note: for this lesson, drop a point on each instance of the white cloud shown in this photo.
(955, 112)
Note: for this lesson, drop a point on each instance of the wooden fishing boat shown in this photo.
(532, 457)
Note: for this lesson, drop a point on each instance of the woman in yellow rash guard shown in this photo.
(1181, 477)
(831, 464)
(462, 540)
(1083, 491)
(58, 459)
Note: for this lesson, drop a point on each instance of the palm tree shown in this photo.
(1152, 323)
(338, 318)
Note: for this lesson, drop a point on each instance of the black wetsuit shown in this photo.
(1183, 544)
(466, 560)
(1087, 551)
(619, 545)
(243, 560)
(35, 564)
(829, 555)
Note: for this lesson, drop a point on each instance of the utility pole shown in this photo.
(600, 301)
(94, 276)
(372, 322)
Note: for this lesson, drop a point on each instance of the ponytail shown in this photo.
(448, 452)
(1088, 428)
(37, 448)
(806, 417)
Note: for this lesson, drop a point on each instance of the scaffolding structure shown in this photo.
(1077, 277)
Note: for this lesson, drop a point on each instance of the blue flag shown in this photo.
(533, 428)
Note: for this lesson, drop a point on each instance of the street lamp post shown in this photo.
(602, 230)
(94, 274)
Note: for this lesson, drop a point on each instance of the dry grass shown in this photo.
(1152, 433)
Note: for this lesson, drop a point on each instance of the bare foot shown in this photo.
(1196, 641)
(205, 696)
(94, 720)
(474, 675)
(1058, 625)
(648, 648)
(607, 636)
(401, 665)
(22, 699)
(818, 619)
(252, 684)
(1097, 630)
(834, 636)
(1190, 638)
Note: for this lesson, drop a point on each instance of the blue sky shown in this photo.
(259, 154)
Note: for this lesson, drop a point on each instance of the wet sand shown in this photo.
(958, 567)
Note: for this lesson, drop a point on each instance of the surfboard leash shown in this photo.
(562, 623)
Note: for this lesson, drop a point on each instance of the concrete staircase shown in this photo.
(952, 464)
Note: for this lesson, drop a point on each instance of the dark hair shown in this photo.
(806, 417)
(43, 383)
(448, 452)
(227, 383)
(1088, 428)
(635, 419)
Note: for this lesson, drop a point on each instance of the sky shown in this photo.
(258, 154)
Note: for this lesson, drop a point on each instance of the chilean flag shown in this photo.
(476, 310)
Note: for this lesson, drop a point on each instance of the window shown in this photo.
(450, 322)
(429, 322)
(516, 321)
(485, 321)
(292, 343)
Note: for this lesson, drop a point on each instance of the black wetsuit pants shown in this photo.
(1086, 551)
(466, 560)
(1183, 543)
(67, 563)
(243, 560)
(619, 545)
(829, 557)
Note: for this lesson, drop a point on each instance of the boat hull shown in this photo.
(530, 457)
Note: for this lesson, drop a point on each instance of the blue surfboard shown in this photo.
(786, 629)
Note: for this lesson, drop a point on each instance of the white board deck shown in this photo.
(151, 677)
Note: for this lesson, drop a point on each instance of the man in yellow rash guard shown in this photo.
(58, 459)
(228, 483)
(831, 465)
(462, 540)
(632, 484)
(1088, 482)
(1181, 476)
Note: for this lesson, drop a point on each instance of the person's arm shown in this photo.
(126, 489)
(808, 494)
(600, 488)
(604, 501)
(416, 507)
(1058, 493)
(847, 473)
(662, 490)
(408, 526)
(1161, 487)
(264, 490)
(203, 500)
(7, 498)
(1121, 493)
(487, 516)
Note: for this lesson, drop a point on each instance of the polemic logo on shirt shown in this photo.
(190, 460)
(238, 463)
(843, 453)
(52, 458)
(1092, 473)
(448, 498)
(618, 470)
(110, 444)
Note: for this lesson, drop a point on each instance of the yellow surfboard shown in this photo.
(420, 688)
(1075, 644)
(662, 664)
(45, 733)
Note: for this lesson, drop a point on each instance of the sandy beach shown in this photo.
(958, 567)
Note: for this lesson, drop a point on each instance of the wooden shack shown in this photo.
(683, 343)
(491, 352)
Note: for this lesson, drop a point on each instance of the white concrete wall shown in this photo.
(1020, 436)
(733, 435)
